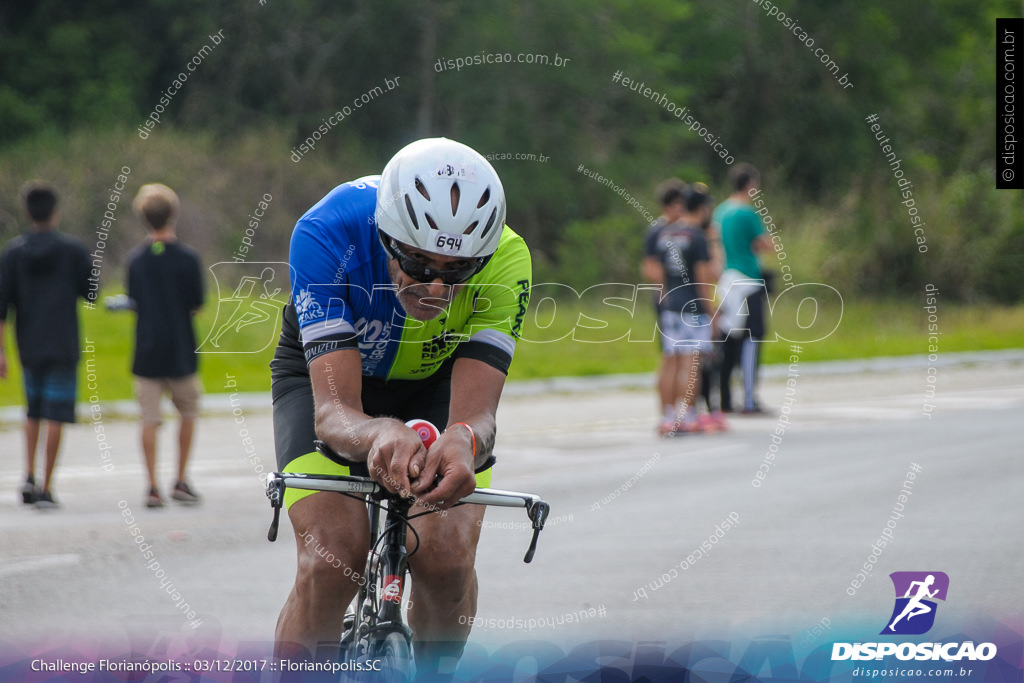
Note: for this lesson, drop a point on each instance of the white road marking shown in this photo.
(31, 564)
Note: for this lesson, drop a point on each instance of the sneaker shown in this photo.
(719, 418)
(29, 492)
(184, 494)
(153, 499)
(707, 424)
(45, 501)
(667, 428)
(690, 427)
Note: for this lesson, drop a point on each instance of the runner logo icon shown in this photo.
(916, 592)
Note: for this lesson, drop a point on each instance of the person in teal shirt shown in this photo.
(743, 236)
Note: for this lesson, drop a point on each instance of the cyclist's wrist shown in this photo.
(459, 440)
(472, 437)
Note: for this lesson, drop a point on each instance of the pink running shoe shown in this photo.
(706, 423)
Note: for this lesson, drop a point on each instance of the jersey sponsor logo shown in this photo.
(392, 591)
(374, 338)
(440, 346)
(317, 350)
(524, 299)
(307, 307)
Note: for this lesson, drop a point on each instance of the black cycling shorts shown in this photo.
(294, 422)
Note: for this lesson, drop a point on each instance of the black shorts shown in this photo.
(294, 429)
(294, 432)
(50, 391)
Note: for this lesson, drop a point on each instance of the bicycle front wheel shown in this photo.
(395, 654)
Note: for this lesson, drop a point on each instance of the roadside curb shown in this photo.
(885, 364)
(224, 404)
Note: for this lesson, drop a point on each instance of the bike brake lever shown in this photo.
(533, 547)
(275, 492)
(538, 513)
(272, 533)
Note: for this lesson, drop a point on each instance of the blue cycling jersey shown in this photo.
(344, 297)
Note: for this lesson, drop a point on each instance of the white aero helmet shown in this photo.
(443, 197)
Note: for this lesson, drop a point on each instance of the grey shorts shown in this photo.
(683, 332)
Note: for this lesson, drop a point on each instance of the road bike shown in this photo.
(374, 628)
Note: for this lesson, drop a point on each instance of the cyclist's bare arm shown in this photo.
(475, 391)
(386, 445)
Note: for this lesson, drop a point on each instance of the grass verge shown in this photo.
(560, 340)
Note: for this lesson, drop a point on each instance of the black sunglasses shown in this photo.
(423, 273)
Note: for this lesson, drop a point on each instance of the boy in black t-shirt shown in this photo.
(42, 275)
(683, 266)
(165, 285)
(672, 195)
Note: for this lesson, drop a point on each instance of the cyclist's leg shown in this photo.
(331, 531)
(444, 586)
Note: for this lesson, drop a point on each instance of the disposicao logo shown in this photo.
(916, 592)
(913, 615)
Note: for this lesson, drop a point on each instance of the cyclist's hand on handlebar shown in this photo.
(451, 460)
(389, 457)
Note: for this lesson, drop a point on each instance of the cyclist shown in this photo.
(408, 293)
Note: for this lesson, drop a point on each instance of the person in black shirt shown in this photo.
(683, 267)
(165, 285)
(672, 195)
(42, 275)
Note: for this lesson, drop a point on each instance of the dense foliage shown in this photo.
(77, 80)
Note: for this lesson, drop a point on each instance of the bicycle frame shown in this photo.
(391, 564)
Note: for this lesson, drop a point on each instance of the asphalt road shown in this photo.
(629, 512)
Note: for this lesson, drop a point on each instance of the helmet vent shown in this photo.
(483, 198)
(422, 189)
(471, 228)
(490, 223)
(412, 212)
(433, 225)
(456, 193)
